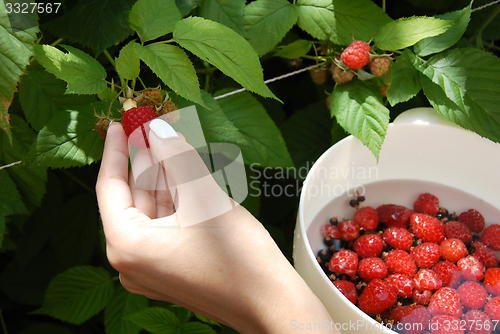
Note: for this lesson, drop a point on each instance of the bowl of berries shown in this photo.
(408, 244)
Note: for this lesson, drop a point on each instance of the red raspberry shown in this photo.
(398, 238)
(368, 245)
(138, 117)
(458, 230)
(416, 321)
(367, 218)
(400, 262)
(491, 236)
(492, 281)
(485, 254)
(372, 268)
(448, 273)
(421, 297)
(427, 228)
(471, 268)
(473, 219)
(377, 297)
(394, 215)
(426, 255)
(349, 230)
(472, 294)
(426, 279)
(477, 322)
(330, 231)
(453, 250)
(152, 98)
(445, 301)
(492, 308)
(400, 312)
(318, 76)
(344, 262)
(402, 284)
(340, 75)
(446, 324)
(348, 289)
(379, 65)
(356, 55)
(426, 203)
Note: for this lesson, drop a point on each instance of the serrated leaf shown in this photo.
(121, 305)
(172, 65)
(154, 18)
(83, 73)
(360, 20)
(156, 320)
(360, 111)
(442, 42)
(228, 13)
(407, 31)
(11, 202)
(185, 6)
(295, 49)
(316, 17)
(208, 320)
(405, 82)
(5, 117)
(196, 328)
(128, 62)
(77, 294)
(270, 18)
(438, 99)
(225, 49)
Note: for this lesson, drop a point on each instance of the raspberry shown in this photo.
(101, 126)
(400, 262)
(377, 297)
(379, 65)
(368, 245)
(477, 322)
(473, 219)
(426, 203)
(344, 262)
(349, 230)
(446, 324)
(445, 301)
(427, 228)
(448, 273)
(458, 230)
(152, 98)
(472, 294)
(426, 279)
(398, 238)
(402, 284)
(356, 55)
(348, 289)
(485, 254)
(372, 268)
(491, 236)
(318, 76)
(426, 255)
(367, 218)
(453, 250)
(330, 231)
(383, 90)
(471, 268)
(137, 117)
(400, 312)
(492, 308)
(421, 297)
(340, 75)
(394, 215)
(492, 281)
(416, 320)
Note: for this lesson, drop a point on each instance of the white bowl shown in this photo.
(422, 152)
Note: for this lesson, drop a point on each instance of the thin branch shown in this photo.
(10, 165)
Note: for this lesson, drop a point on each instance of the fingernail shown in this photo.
(162, 129)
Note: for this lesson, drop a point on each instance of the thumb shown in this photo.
(199, 197)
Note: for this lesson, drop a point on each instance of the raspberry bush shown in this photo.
(66, 70)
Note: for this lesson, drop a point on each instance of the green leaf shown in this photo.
(185, 6)
(181, 313)
(77, 294)
(405, 82)
(442, 42)
(266, 146)
(128, 63)
(270, 18)
(5, 117)
(121, 305)
(154, 18)
(207, 320)
(83, 73)
(196, 328)
(438, 99)
(316, 17)
(228, 13)
(42, 96)
(359, 109)
(11, 202)
(294, 50)
(407, 31)
(360, 19)
(156, 320)
(225, 49)
(94, 24)
(172, 65)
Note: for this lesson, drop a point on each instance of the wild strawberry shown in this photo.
(458, 230)
(152, 98)
(371, 268)
(367, 218)
(379, 65)
(446, 324)
(492, 308)
(448, 273)
(394, 215)
(402, 284)
(417, 320)
(398, 238)
(421, 297)
(485, 254)
(492, 281)
(473, 219)
(453, 250)
(349, 230)
(101, 126)
(340, 75)
(426, 203)
(356, 55)
(318, 76)
(368, 245)
(471, 268)
(491, 236)
(426, 255)
(426, 279)
(445, 301)
(137, 118)
(348, 289)
(344, 262)
(477, 322)
(400, 262)
(472, 294)
(330, 231)
(427, 228)
(377, 297)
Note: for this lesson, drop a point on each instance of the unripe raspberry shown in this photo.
(101, 126)
(379, 65)
(152, 98)
(318, 76)
(356, 55)
(383, 90)
(339, 75)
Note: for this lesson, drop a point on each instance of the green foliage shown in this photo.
(154, 18)
(317, 18)
(228, 13)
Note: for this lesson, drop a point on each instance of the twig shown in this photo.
(10, 165)
(484, 6)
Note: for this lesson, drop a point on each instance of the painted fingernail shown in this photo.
(162, 129)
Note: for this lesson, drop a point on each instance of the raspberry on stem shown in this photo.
(356, 55)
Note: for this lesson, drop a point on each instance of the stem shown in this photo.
(485, 24)
(207, 82)
(80, 182)
(383, 5)
(57, 42)
(112, 83)
(4, 327)
(111, 60)
(143, 85)
(314, 58)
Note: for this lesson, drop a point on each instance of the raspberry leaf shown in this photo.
(154, 18)
(11, 202)
(228, 13)
(185, 6)
(121, 305)
(359, 109)
(316, 17)
(405, 82)
(4, 116)
(272, 18)
(294, 50)
(156, 320)
(128, 62)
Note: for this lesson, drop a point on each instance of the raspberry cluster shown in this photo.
(420, 266)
